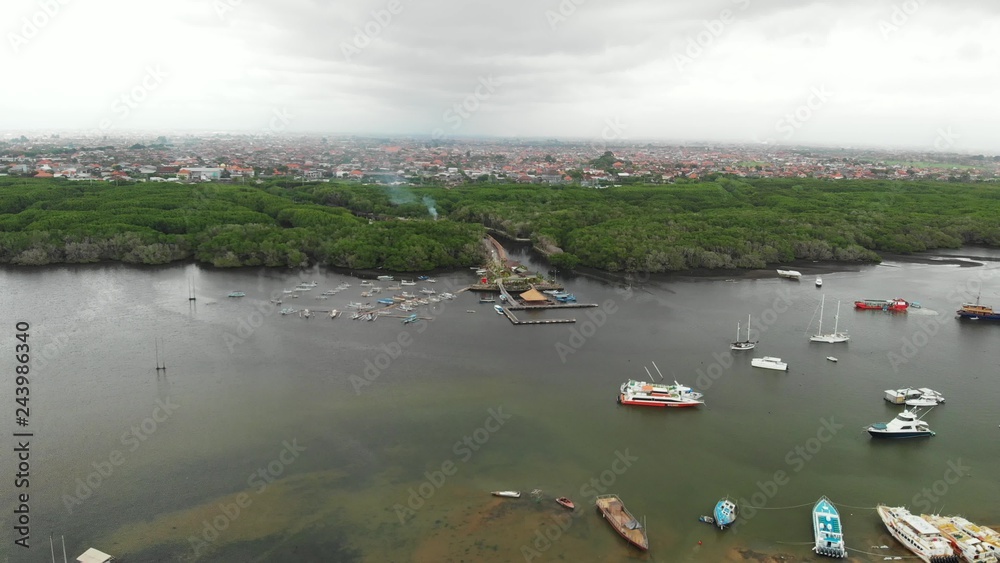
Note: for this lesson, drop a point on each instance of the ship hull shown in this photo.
(979, 316)
(898, 435)
(881, 304)
(649, 403)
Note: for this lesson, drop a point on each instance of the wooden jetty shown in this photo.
(514, 320)
(552, 306)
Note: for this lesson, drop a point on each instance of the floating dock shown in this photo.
(552, 306)
(514, 320)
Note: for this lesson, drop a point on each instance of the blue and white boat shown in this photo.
(905, 425)
(725, 513)
(411, 319)
(498, 309)
(826, 528)
(566, 298)
(387, 301)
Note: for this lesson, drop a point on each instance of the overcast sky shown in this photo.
(921, 74)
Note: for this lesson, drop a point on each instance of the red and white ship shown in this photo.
(658, 395)
(882, 304)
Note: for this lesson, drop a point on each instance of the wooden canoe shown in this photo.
(614, 511)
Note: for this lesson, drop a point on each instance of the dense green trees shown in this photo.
(53, 221)
(735, 223)
(722, 223)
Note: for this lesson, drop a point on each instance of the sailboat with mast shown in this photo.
(832, 337)
(743, 344)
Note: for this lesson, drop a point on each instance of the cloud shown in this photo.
(899, 69)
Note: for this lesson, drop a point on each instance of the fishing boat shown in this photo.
(387, 301)
(769, 362)
(614, 511)
(565, 502)
(647, 394)
(411, 319)
(831, 337)
(827, 530)
(725, 513)
(975, 312)
(882, 304)
(743, 344)
(498, 309)
(977, 544)
(917, 535)
(237, 294)
(790, 274)
(508, 494)
(922, 397)
(906, 425)
(819, 281)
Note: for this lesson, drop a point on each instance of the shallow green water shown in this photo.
(466, 403)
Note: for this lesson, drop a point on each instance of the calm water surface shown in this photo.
(265, 441)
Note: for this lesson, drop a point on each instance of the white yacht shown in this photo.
(917, 535)
(978, 544)
(743, 344)
(769, 362)
(906, 425)
(790, 274)
(830, 337)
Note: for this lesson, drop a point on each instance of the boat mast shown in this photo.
(819, 332)
(836, 319)
(657, 370)
(748, 329)
(738, 331)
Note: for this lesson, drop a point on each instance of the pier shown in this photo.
(514, 320)
(553, 306)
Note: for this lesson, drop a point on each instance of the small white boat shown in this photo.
(819, 281)
(790, 274)
(769, 362)
(922, 397)
(407, 282)
(508, 494)
(743, 344)
(832, 359)
(385, 278)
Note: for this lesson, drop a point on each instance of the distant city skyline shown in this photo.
(908, 74)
